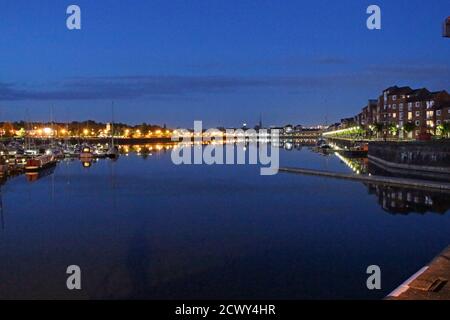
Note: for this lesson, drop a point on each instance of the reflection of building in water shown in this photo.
(404, 201)
(398, 200)
(2, 219)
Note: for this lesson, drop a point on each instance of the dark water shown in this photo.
(144, 228)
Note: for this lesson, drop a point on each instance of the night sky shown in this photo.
(223, 62)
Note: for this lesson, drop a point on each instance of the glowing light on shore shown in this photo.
(348, 130)
(48, 131)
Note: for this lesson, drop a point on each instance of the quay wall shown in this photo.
(414, 155)
(342, 142)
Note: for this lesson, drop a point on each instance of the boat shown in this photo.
(113, 152)
(358, 151)
(322, 144)
(56, 152)
(71, 151)
(39, 163)
(99, 152)
(32, 152)
(86, 153)
(4, 168)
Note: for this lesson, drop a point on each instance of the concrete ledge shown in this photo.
(429, 283)
(401, 182)
(445, 170)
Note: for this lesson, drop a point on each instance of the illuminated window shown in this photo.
(410, 115)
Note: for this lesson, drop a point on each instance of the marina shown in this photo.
(225, 159)
(150, 236)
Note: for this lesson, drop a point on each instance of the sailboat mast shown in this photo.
(112, 124)
(52, 130)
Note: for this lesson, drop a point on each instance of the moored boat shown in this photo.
(40, 162)
(357, 151)
(86, 153)
(113, 152)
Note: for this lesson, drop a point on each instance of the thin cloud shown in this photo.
(164, 87)
(130, 87)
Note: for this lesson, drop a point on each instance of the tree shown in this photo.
(8, 129)
(409, 128)
(444, 129)
(378, 128)
(393, 129)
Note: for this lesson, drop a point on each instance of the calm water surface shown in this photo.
(144, 228)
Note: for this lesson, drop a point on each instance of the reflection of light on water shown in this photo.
(87, 164)
(348, 163)
(288, 146)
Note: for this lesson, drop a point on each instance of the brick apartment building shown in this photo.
(398, 106)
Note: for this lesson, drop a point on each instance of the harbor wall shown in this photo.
(416, 155)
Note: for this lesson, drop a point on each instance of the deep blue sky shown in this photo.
(223, 62)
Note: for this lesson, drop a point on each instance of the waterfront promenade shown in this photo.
(429, 283)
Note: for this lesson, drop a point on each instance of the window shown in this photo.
(438, 112)
(385, 106)
(417, 104)
(400, 107)
(410, 115)
(401, 115)
(417, 113)
(417, 123)
(394, 106)
(438, 122)
(389, 106)
(430, 114)
(430, 124)
(394, 98)
(409, 106)
(394, 115)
